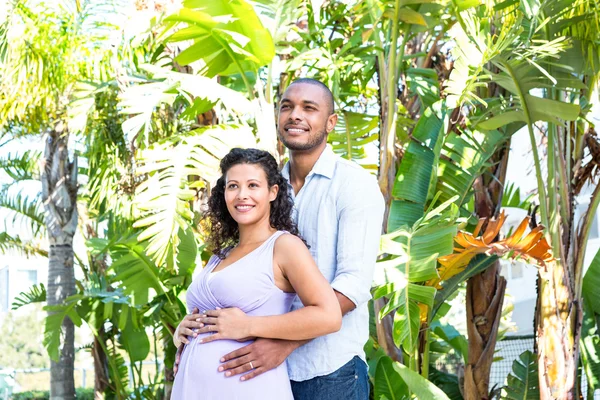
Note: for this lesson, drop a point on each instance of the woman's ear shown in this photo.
(273, 192)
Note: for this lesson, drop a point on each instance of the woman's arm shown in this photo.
(320, 315)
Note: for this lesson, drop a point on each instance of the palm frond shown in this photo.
(99, 18)
(21, 167)
(521, 55)
(54, 321)
(512, 198)
(31, 75)
(36, 294)
(117, 370)
(15, 243)
(519, 79)
(163, 198)
(140, 100)
(352, 133)
(278, 15)
(82, 104)
(111, 185)
(135, 271)
(24, 210)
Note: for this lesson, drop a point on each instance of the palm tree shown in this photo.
(47, 48)
(33, 90)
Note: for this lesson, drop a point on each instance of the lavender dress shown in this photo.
(249, 285)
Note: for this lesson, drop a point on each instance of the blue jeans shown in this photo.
(350, 382)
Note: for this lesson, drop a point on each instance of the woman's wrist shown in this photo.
(253, 327)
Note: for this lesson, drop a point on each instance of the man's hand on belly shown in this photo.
(264, 354)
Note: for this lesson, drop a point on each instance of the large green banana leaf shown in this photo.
(417, 169)
(412, 260)
(394, 381)
(523, 383)
(228, 36)
(352, 133)
(590, 332)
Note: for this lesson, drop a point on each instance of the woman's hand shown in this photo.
(227, 323)
(184, 329)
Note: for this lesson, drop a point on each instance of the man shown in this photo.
(339, 210)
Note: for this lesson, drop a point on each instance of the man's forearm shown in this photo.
(346, 306)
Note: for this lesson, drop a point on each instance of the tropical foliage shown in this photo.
(138, 112)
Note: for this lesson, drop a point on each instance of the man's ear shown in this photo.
(331, 121)
(273, 192)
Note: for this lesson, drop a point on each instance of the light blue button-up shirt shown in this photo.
(339, 212)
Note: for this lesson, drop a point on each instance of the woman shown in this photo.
(259, 265)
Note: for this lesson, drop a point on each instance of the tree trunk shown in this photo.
(485, 291)
(485, 296)
(558, 345)
(59, 194)
(101, 378)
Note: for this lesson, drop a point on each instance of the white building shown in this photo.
(18, 274)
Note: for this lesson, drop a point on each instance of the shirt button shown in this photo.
(355, 376)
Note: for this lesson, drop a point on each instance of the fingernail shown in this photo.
(204, 312)
(222, 359)
(220, 369)
(200, 341)
(227, 373)
(198, 319)
(201, 325)
(242, 379)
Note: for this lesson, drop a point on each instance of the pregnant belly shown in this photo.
(204, 358)
(198, 377)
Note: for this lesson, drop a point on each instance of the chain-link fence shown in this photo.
(507, 351)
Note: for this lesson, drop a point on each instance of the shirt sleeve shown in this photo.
(359, 231)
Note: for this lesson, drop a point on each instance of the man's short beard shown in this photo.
(313, 142)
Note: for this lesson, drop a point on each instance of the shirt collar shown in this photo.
(325, 165)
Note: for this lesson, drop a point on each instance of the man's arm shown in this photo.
(266, 354)
(360, 219)
(346, 305)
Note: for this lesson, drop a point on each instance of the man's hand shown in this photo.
(265, 354)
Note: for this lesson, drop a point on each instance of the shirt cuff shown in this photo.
(353, 288)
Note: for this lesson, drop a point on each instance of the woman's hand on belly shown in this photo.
(186, 328)
(227, 323)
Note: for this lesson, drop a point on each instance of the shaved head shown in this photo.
(328, 96)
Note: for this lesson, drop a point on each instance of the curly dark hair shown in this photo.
(223, 229)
